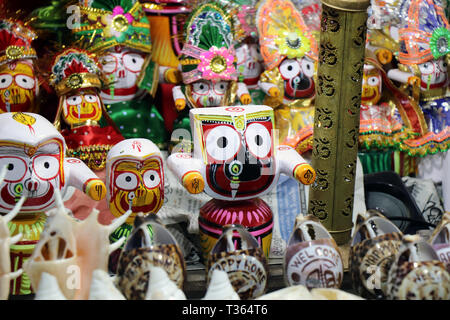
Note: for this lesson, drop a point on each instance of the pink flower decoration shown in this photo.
(119, 10)
(217, 64)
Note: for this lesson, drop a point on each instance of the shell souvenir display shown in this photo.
(149, 245)
(238, 254)
(19, 84)
(235, 161)
(312, 257)
(417, 273)
(375, 242)
(82, 118)
(34, 153)
(290, 54)
(423, 54)
(135, 181)
(72, 252)
(440, 240)
(119, 33)
(208, 64)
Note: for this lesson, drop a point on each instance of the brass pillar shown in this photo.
(336, 120)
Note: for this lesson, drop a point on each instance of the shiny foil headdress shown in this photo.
(283, 33)
(15, 41)
(424, 34)
(105, 24)
(208, 52)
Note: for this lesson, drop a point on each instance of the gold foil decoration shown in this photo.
(336, 118)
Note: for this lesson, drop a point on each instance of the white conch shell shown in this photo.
(333, 294)
(160, 287)
(71, 250)
(5, 242)
(102, 287)
(220, 287)
(298, 292)
(48, 288)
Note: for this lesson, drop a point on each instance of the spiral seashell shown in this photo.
(298, 292)
(48, 288)
(220, 287)
(103, 288)
(333, 294)
(160, 287)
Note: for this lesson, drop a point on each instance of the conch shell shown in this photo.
(5, 242)
(297, 292)
(71, 250)
(333, 294)
(220, 287)
(160, 286)
(103, 288)
(48, 288)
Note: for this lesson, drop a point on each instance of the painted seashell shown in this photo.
(103, 288)
(312, 256)
(333, 294)
(238, 254)
(220, 287)
(161, 287)
(297, 292)
(440, 240)
(150, 244)
(48, 288)
(71, 249)
(374, 244)
(5, 243)
(417, 273)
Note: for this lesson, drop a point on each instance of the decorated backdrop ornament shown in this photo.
(208, 64)
(34, 153)
(19, 85)
(119, 33)
(374, 245)
(149, 245)
(290, 54)
(238, 254)
(236, 160)
(86, 126)
(424, 47)
(312, 256)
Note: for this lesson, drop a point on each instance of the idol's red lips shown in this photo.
(30, 202)
(145, 208)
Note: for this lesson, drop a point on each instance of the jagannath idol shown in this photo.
(119, 33)
(32, 155)
(19, 83)
(87, 128)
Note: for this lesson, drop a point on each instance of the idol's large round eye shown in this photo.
(151, 179)
(15, 168)
(24, 81)
(74, 100)
(133, 62)
(222, 143)
(289, 68)
(373, 81)
(91, 98)
(426, 68)
(5, 80)
(220, 87)
(307, 67)
(258, 140)
(46, 167)
(127, 181)
(109, 63)
(442, 65)
(200, 87)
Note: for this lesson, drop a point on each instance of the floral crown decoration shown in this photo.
(424, 34)
(208, 52)
(105, 24)
(15, 41)
(75, 69)
(283, 33)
